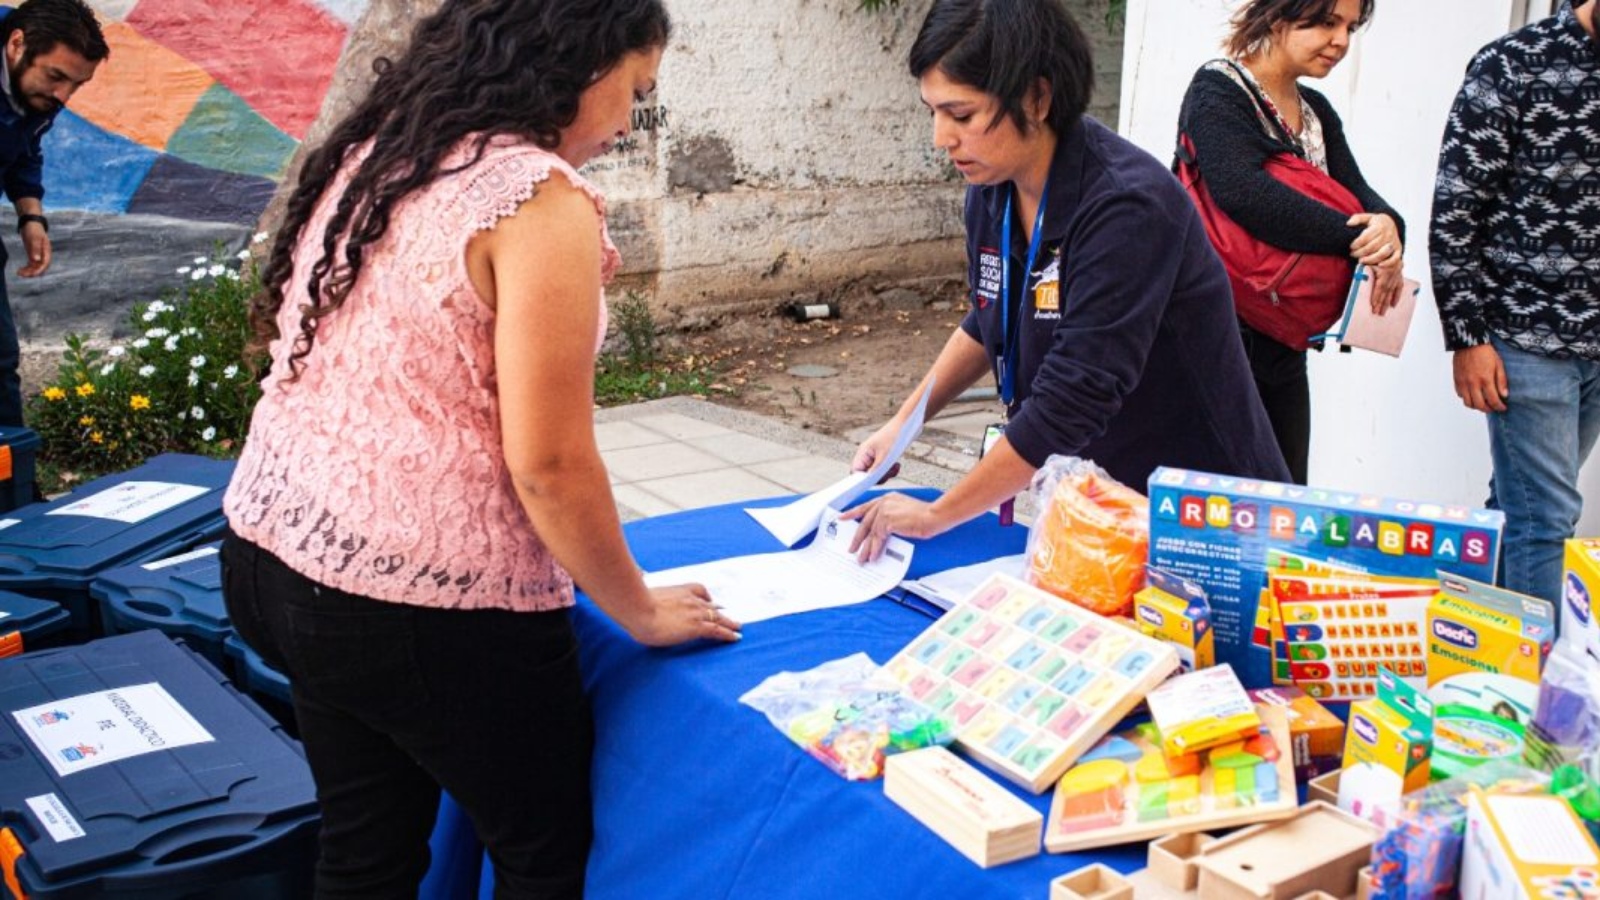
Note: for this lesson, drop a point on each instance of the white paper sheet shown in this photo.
(822, 575)
(132, 501)
(946, 589)
(790, 523)
(89, 730)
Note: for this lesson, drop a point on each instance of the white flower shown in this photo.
(146, 371)
(157, 333)
(208, 434)
(201, 260)
(217, 270)
(116, 351)
(183, 415)
(141, 343)
(230, 371)
(194, 379)
(171, 343)
(230, 275)
(197, 274)
(243, 254)
(191, 331)
(198, 413)
(108, 368)
(260, 236)
(183, 270)
(157, 305)
(149, 315)
(197, 361)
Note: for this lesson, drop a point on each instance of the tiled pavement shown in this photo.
(682, 453)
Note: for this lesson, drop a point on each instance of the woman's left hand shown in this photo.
(889, 515)
(1379, 241)
(1387, 282)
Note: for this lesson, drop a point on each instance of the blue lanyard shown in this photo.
(1006, 362)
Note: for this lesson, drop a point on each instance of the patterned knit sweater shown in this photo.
(1516, 207)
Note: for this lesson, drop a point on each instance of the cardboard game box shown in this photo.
(1521, 847)
(1581, 594)
(1386, 749)
(1218, 530)
(1175, 610)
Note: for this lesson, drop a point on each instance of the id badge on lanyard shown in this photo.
(991, 436)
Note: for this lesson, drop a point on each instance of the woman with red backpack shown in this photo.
(1284, 202)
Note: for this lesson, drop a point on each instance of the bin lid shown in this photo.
(30, 615)
(172, 777)
(170, 503)
(181, 595)
(258, 677)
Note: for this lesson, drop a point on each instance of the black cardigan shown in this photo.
(1230, 148)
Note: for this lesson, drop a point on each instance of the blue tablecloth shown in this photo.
(697, 796)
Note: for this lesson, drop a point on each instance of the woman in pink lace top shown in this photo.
(421, 474)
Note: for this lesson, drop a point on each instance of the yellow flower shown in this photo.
(86, 421)
(54, 393)
(139, 401)
(97, 437)
(85, 389)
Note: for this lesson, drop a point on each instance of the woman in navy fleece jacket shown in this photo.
(1101, 308)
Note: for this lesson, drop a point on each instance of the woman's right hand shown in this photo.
(683, 612)
(875, 448)
(1379, 241)
(1387, 282)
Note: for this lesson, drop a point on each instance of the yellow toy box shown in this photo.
(1580, 592)
(1386, 749)
(1174, 610)
(1485, 649)
(1317, 735)
(1526, 846)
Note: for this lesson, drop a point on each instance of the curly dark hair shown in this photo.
(1003, 48)
(1252, 26)
(475, 67)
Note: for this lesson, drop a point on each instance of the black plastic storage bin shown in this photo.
(170, 504)
(229, 818)
(19, 448)
(180, 596)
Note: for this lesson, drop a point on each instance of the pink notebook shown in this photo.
(1360, 327)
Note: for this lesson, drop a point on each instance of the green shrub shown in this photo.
(178, 385)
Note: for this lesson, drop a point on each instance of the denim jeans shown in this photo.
(1280, 376)
(1538, 445)
(394, 702)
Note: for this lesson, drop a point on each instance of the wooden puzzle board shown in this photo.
(1125, 790)
(1028, 680)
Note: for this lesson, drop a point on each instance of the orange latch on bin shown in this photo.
(10, 852)
(10, 644)
(5, 462)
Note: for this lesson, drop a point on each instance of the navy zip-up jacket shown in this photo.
(21, 160)
(1130, 353)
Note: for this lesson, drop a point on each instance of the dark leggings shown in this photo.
(1280, 375)
(394, 702)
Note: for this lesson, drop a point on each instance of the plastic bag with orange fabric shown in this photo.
(1091, 538)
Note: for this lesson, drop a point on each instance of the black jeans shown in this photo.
(10, 358)
(1280, 374)
(395, 701)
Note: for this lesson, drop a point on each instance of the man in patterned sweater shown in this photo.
(1516, 272)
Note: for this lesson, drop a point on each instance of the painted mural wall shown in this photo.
(178, 145)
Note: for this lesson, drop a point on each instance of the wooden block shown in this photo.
(1097, 881)
(1318, 895)
(1324, 788)
(1320, 847)
(1172, 859)
(1364, 883)
(983, 820)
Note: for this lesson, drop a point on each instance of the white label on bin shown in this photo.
(7, 523)
(4, 614)
(89, 730)
(132, 501)
(202, 553)
(53, 815)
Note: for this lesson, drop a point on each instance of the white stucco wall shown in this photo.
(1379, 424)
